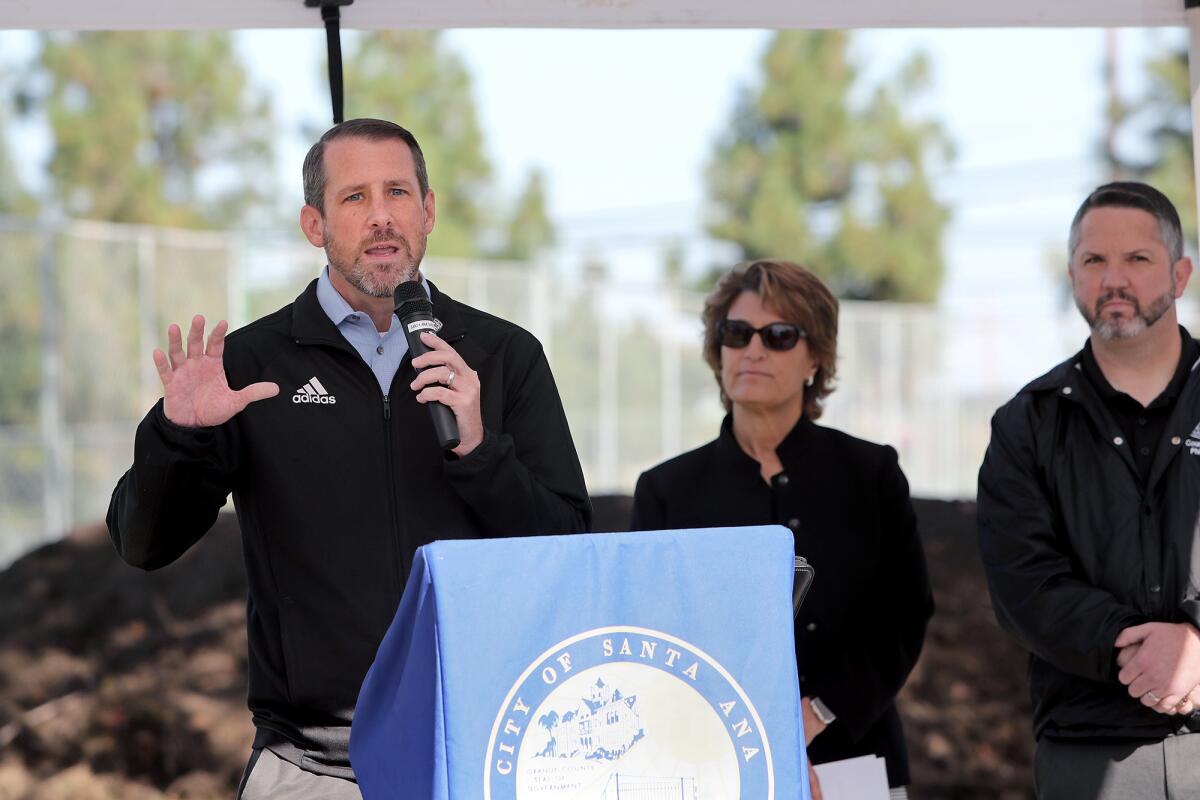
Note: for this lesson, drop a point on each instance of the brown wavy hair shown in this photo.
(800, 298)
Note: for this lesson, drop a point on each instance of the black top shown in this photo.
(1142, 425)
(860, 630)
(1077, 546)
(334, 498)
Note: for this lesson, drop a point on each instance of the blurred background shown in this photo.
(590, 185)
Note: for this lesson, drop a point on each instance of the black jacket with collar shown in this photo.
(1075, 550)
(861, 627)
(333, 499)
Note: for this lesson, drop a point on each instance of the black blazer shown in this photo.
(846, 501)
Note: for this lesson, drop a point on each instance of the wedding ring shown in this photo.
(450, 379)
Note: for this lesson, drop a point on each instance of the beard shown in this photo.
(1121, 326)
(382, 278)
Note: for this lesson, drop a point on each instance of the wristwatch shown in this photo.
(822, 711)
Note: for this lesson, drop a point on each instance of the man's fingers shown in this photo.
(1141, 686)
(258, 391)
(440, 352)
(1131, 635)
(435, 342)
(175, 346)
(441, 375)
(440, 394)
(1126, 655)
(1129, 673)
(1168, 704)
(216, 340)
(163, 366)
(195, 338)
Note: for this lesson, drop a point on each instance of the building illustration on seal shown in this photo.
(626, 787)
(601, 726)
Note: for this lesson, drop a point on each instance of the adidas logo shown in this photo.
(1196, 431)
(313, 392)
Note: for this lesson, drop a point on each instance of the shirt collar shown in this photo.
(336, 307)
(791, 448)
(1187, 359)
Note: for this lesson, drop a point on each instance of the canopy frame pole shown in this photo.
(331, 16)
(1192, 20)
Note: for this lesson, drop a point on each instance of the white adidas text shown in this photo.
(313, 392)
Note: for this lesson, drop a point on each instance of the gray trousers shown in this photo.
(269, 777)
(1065, 769)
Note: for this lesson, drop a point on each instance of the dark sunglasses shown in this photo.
(776, 336)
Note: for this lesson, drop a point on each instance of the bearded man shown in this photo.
(1088, 502)
(314, 419)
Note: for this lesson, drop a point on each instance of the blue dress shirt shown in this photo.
(382, 352)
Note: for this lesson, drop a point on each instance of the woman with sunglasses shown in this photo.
(770, 337)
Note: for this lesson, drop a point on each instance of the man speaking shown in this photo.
(315, 418)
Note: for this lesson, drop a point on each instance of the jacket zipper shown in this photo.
(393, 511)
(389, 468)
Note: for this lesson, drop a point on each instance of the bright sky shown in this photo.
(622, 123)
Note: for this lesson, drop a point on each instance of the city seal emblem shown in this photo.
(631, 713)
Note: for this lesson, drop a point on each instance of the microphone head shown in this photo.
(409, 297)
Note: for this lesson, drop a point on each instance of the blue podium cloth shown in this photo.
(655, 664)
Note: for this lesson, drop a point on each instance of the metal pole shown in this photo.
(237, 251)
(1192, 19)
(609, 371)
(540, 320)
(54, 487)
(670, 397)
(147, 318)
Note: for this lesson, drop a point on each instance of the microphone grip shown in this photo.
(444, 423)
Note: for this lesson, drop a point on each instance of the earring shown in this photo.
(809, 381)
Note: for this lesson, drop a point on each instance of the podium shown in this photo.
(638, 666)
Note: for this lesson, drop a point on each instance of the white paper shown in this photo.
(862, 778)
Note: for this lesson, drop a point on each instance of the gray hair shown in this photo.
(372, 129)
(1131, 194)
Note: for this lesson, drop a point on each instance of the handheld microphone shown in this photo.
(416, 316)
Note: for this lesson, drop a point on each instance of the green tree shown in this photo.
(411, 77)
(19, 301)
(529, 230)
(20, 323)
(13, 197)
(159, 128)
(806, 173)
(1158, 123)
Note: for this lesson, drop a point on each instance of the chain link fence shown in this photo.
(84, 304)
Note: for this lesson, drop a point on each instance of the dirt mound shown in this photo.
(966, 706)
(115, 683)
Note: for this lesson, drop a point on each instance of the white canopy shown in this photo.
(232, 14)
(377, 14)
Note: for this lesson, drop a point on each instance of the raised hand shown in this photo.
(195, 391)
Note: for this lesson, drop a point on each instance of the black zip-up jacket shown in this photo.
(334, 496)
(861, 628)
(1075, 550)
